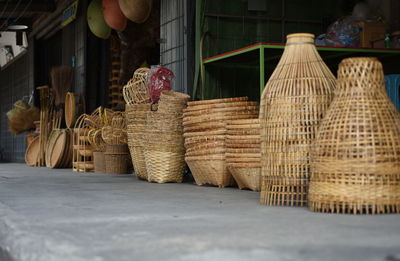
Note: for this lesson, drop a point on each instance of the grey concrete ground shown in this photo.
(60, 215)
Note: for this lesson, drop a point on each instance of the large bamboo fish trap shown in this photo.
(243, 161)
(293, 103)
(356, 157)
(205, 135)
(164, 143)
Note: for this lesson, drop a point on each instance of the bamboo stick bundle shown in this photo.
(61, 81)
(293, 103)
(46, 124)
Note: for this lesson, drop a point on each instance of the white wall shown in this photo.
(9, 38)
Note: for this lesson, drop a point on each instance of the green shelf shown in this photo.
(261, 55)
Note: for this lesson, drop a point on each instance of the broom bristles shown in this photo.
(24, 120)
(61, 81)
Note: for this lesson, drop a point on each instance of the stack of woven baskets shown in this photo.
(163, 143)
(243, 153)
(205, 132)
(137, 106)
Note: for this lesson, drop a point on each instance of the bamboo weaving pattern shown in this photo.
(356, 157)
(292, 105)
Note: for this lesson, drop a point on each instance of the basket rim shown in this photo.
(221, 100)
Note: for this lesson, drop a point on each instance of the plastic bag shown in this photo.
(345, 32)
(159, 79)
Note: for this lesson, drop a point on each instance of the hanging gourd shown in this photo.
(96, 22)
(293, 103)
(356, 156)
(113, 15)
(136, 10)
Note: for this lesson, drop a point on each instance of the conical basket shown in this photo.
(292, 105)
(356, 157)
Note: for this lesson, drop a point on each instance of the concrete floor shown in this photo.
(58, 215)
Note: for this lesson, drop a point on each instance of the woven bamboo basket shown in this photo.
(136, 115)
(224, 111)
(210, 169)
(246, 177)
(171, 101)
(116, 163)
(292, 105)
(163, 146)
(164, 166)
(217, 107)
(116, 158)
(136, 90)
(244, 163)
(205, 129)
(99, 162)
(217, 101)
(356, 157)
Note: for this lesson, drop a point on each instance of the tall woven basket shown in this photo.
(136, 115)
(164, 143)
(292, 105)
(356, 157)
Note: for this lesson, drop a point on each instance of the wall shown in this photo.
(16, 81)
(176, 45)
(9, 38)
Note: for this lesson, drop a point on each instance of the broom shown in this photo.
(61, 81)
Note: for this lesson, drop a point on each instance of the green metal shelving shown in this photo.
(261, 53)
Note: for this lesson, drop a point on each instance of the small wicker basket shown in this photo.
(117, 159)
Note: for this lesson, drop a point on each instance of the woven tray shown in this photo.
(223, 110)
(219, 106)
(218, 101)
